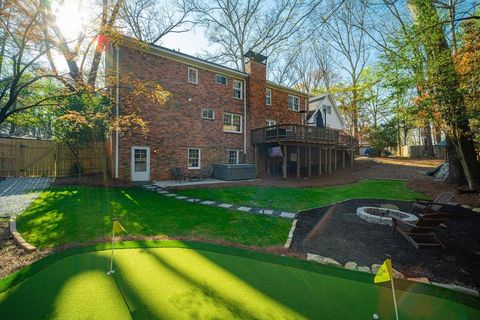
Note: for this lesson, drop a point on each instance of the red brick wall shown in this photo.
(177, 125)
(258, 111)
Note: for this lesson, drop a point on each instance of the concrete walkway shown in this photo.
(228, 206)
(16, 194)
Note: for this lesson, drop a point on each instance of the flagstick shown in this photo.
(394, 299)
(111, 256)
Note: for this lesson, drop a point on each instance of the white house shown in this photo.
(323, 112)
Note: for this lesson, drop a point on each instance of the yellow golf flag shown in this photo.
(117, 227)
(385, 272)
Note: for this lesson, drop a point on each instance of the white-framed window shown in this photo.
(233, 156)
(232, 122)
(268, 97)
(293, 103)
(237, 89)
(271, 122)
(208, 113)
(194, 156)
(192, 75)
(221, 79)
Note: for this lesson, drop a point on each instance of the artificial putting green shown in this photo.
(198, 281)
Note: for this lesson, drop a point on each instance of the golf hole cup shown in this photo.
(375, 316)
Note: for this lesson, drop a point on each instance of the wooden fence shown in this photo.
(416, 152)
(21, 157)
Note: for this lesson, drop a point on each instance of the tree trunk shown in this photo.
(446, 88)
(456, 175)
(428, 145)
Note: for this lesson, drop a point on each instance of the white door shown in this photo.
(140, 163)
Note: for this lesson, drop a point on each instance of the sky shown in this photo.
(191, 42)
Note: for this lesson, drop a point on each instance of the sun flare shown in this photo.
(71, 17)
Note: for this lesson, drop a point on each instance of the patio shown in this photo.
(209, 181)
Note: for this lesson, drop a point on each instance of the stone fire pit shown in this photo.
(383, 215)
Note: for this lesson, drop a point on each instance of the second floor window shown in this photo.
(221, 79)
(232, 122)
(268, 97)
(237, 89)
(192, 75)
(208, 113)
(294, 103)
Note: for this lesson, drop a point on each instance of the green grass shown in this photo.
(198, 281)
(295, 199)
(63, 215)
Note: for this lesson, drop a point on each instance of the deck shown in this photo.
(295, 133)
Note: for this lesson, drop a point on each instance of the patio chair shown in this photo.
(420, 234)
(444, 199)
(206, 172)
(178, 174)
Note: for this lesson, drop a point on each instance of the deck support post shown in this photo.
(343, 158)
(329, 160)
(352, 157)
(319, 161)
(298, 162)
(334, 159)
(309, 161)
(325, 150)
(284, 167)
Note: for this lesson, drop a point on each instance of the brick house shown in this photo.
(209, 119)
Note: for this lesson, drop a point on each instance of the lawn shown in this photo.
(63, 215)
(198, 281)
(295, 199)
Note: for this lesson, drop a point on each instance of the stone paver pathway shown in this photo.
(228, 206)
(16, 194)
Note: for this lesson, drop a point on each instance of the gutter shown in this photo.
(245, 118)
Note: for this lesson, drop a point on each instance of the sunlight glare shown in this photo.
(71, 17)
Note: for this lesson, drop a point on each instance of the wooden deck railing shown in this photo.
(301, 133)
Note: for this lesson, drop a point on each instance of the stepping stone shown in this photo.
(225, 205)
(170, 194)
(245, 209)
(208, 202)
(162, 191)
(190, 200)
(181, 197)
(287, 215)
(266, 211)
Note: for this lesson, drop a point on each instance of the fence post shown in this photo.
(57, 159)
(18, 155)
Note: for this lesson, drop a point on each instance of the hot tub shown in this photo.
(232, 172)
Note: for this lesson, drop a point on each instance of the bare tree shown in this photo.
(236, 26)
(151, 20)
(345, 33)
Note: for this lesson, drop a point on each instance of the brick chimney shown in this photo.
(256, 68)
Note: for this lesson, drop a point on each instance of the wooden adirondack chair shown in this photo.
(421, 234)
(443, 199)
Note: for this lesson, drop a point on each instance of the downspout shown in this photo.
(245, 118)
(117, 101)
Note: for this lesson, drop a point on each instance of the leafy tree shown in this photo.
(384, 136)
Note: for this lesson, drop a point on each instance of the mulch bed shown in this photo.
(337, 232)
(13, 258)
